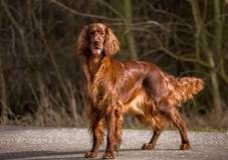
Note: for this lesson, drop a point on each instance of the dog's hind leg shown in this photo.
(178, 121)
(156, 133)
(174, 116)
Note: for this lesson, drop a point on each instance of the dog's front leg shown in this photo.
(96, 129)
(111, 138)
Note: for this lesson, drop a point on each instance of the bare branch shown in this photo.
(112, 9)
(192, 60)
(18, 27)
(83, 14)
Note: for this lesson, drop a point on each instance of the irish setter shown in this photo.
(139, 88)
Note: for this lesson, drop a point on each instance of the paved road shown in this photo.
(71, 144)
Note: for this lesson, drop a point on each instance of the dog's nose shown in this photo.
(96, 38)
(96, 42)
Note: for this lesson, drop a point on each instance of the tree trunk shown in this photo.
(3, 97)
(218, 27)
(202, 42)
(217, 102)
(218, 46)
(128, 25)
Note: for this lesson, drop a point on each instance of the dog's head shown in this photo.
(97, 39)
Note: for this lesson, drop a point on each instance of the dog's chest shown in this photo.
(103, 88)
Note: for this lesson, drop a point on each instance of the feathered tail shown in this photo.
(183, 89)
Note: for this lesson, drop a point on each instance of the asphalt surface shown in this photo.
(71, 144)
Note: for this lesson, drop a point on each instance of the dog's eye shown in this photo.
(91, 33)
(102, 33)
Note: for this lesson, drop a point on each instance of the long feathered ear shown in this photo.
(111, 43)
(83, 42)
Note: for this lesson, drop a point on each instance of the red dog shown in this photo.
(139, 88)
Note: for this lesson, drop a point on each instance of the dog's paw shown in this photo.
(117, 147)
(90, 155)
(185, 146)
(109, 155)
(147, 146)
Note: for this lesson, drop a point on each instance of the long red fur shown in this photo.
(139, 88)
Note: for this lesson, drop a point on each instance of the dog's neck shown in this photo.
(94, 63)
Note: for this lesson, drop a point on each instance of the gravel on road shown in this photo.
(23, 143)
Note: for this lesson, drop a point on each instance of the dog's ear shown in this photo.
(111, 43)
(83, 42)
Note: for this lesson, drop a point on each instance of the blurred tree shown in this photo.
(128, 12)
(203, 47)
(4, 108)
(40, 78)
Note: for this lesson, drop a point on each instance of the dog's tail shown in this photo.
(183, 89)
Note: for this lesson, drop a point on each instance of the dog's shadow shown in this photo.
(41, 155)
(53, 155)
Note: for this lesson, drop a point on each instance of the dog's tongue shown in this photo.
(96, 51)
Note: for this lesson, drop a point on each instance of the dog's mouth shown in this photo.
(96, 50)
